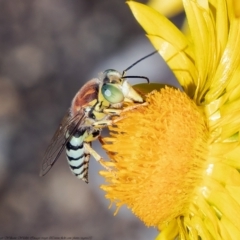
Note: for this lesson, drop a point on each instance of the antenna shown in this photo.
(149, 55)
(137, 77)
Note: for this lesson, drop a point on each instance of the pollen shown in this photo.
(158, 155)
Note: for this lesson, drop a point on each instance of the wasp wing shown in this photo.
(67, 127)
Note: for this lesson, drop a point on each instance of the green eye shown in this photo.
(111, 93)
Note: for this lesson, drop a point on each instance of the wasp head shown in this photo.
(116, 89)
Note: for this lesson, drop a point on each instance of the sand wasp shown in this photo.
(91, 109)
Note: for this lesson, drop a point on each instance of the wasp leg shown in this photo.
(129, 108)
(98, 158)
(115, 111)
(100, 139)
(102, 142)
(105, 123)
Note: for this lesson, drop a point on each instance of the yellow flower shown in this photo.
(176, 162)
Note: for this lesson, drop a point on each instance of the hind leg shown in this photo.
(97, 157)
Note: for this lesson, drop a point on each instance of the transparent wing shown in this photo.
(68, 124)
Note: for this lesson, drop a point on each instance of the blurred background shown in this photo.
(48, 50)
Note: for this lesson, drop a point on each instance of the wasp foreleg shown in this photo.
(105, 123)
(114, 111)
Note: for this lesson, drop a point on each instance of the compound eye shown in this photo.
(111, 93)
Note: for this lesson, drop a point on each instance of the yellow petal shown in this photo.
(228, 65)
(168, 8)
(170, 231)
(203, 36)
(218, 196)
(156, 24)
(231, 228)
(179, 62)
(236, 7)
(221, 23)
(163, 34)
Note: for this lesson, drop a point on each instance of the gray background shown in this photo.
(48, 50)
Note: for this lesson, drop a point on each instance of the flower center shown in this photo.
(159, 155)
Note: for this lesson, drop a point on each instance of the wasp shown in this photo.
(92, 109)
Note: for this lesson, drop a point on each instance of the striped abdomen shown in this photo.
(77, 156)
